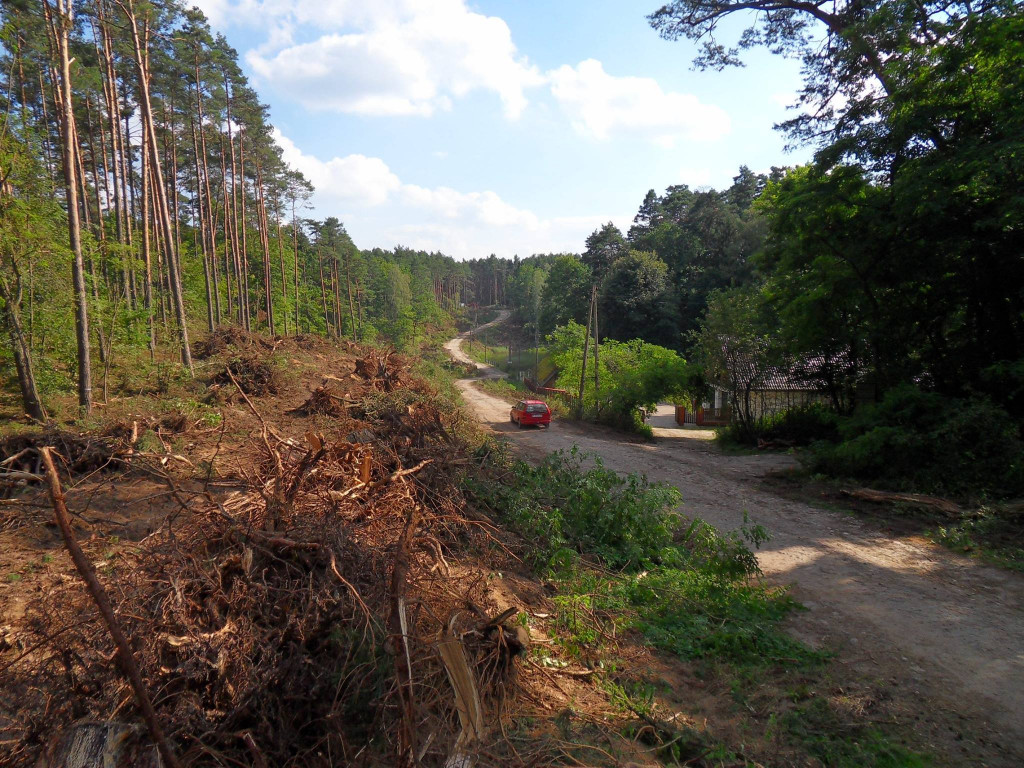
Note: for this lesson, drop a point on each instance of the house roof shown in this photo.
(775, 378)
(796, 376)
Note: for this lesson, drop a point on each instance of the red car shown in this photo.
(527, 412)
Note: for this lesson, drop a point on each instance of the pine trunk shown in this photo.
(20, 347)
(61, 28)
(173, 269)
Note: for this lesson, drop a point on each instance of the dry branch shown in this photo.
(124, 652)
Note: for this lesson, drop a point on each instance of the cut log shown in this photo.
(101, 745)
(913, 499)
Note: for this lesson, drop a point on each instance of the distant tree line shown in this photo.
(654, 281)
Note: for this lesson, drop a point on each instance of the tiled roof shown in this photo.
(795, 377)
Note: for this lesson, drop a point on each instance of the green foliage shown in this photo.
(690, 591)
(705, 238)
(798, 426)
(565, 509)
(633, 376)
(566, 293)
(636, 301)
(928, 442)
(603, 248)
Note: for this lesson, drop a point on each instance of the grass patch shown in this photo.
(827, 735)
(992, 534)
(435, 367)
(622, 559)
(506, 389)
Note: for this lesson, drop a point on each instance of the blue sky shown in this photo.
(508, 127)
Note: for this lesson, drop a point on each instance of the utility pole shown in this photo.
(586, 346)
(536, 334)
(597, 383)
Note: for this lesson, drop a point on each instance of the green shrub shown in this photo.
(634, 376)
(803, 425)
(924, 441)
(563, 509)
(799, 426)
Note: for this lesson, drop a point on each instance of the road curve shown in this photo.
(945, 631)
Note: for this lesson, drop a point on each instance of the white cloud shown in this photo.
(354, 179)
(388, 57)
(461, 224)
(601, 105)
(416, 57)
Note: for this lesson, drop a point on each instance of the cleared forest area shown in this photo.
(247, 519)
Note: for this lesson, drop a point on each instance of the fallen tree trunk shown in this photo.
(913, 499)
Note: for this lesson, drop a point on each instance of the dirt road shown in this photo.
(946, 632)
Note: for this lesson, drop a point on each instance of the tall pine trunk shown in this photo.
(61, 27)
(160, 191)
(19, 344)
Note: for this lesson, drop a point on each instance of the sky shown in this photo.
(513, 127)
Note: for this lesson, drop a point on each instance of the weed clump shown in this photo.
(617, 547)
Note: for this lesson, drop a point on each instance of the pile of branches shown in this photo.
(80, 453)
(228, 337)
(252, 373)
(312, 620)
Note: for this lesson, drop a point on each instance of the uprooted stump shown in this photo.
(78, 454)
(254, 374)
(324, 401)
(383, 370)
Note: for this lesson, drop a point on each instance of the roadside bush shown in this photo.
(688, 589)
(799, 426)
(803, 425)
(564, 510)
(634, 376)
(924, 441)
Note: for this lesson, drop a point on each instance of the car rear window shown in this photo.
(536, 408)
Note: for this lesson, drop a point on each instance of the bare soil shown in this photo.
(123, 515)
(940, 634)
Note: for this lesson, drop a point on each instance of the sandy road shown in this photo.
(945, 631)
